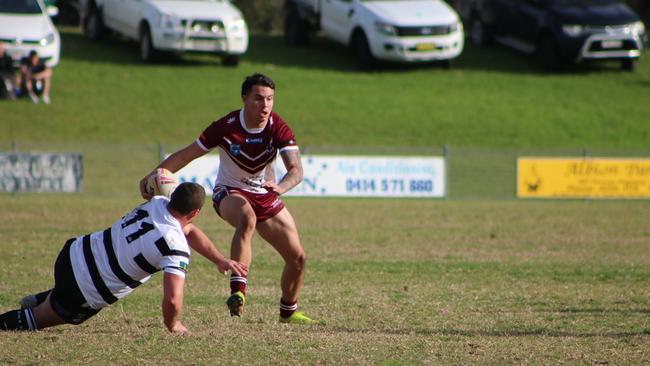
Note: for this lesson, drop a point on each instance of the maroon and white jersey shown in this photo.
(245, 154)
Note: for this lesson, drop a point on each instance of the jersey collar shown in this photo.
(253, 130)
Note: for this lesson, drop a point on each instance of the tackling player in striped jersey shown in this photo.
(246, 194)
(95, 270)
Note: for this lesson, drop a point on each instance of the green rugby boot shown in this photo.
(299, 318)
(236, 303)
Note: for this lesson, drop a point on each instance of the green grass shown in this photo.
(493, 98)
(399, 282)
(461, 282)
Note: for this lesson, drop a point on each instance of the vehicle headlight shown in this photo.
(237, 25)
(386, 29)
(573, 30)
(637, 28)
(168, 21)
(49, 39)
(455, 27)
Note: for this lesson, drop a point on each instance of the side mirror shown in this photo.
(52, 10)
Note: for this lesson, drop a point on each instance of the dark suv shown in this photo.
(559, 32)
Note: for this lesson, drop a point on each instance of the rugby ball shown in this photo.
(162, 183)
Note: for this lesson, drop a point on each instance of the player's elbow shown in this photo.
(297, 174)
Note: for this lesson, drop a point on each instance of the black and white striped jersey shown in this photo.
(109, 264)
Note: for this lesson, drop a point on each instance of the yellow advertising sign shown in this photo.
(583, 178)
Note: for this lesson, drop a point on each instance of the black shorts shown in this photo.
(66, 297)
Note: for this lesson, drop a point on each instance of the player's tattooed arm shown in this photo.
(292, 163)
(269, 174)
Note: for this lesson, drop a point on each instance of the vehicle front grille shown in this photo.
(626, 45)
(13, 41)
(424, 31)
(606, 28)
(207, 27)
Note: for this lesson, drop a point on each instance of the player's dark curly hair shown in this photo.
(256, 79)
(187, 197)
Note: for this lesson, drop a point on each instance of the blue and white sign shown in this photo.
(361, 176)
(347, 176)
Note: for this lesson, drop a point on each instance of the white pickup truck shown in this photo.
(211, 26)
(392, 30)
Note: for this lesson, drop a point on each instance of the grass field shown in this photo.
(494, 98)
(472, 281)
(442, 282)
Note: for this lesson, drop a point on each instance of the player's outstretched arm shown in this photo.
(174, 163)
(293, 164)
(200, 242)
(172, 304)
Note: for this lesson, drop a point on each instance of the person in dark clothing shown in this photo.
(33, 68)
(7, 73)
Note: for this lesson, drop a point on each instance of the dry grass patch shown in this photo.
(398, 282)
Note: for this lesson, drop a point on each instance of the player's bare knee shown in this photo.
(299, 261)
(247, 222)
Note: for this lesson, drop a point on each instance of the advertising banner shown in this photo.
(41, 172)
(347, 176)
(583, 178)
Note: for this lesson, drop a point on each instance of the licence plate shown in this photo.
(612, 44)
(425, 46)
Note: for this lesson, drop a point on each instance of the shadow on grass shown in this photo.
(321, 54)
(502, 59)
(117, 50)
(329, 55)
(602, 311)
(325, 54)
(535, 332)
(263, 49)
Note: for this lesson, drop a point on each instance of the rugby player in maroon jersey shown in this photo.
(246, 194)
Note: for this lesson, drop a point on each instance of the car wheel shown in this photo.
(362, 54)
(68, 14)
(93, 26)
(479, 32)
(629, 64)
(296, 29)
(230, 60)
(549, 54)
(147, 52)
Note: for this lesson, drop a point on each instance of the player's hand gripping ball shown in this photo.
(162, 183)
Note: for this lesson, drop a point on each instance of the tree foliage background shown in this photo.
(262, 16)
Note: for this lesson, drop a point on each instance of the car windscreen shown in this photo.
(20, 6)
